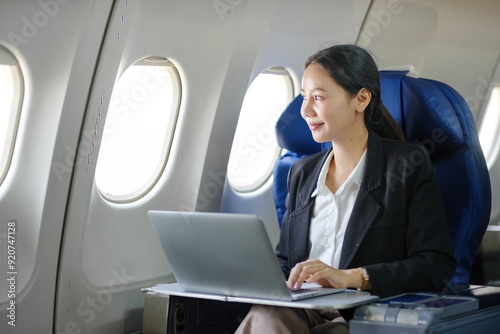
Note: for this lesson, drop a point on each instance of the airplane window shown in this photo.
(138, 130)
(490, 123)
(11, 94)
(254, 149)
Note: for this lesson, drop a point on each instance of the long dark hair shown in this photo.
(353, 68)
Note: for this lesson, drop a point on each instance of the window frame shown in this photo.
(260, 181)
(7, 152)
(164, 153)
(490, 150)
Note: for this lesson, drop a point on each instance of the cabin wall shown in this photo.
(82, 260)
(35, 192)
(449, 41)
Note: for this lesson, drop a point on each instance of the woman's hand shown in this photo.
(315, 271)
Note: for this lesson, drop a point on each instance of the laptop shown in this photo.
(224, 254)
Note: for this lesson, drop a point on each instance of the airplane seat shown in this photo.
(436, 116)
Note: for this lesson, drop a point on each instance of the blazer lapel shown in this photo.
(366, 208)
(299, 220)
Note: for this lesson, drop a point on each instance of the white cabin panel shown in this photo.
(56, 44)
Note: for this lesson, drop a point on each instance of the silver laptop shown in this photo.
(224, 254)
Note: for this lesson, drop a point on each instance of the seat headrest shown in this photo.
(430, 114)
(425, 109)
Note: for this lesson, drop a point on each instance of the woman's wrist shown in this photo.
(366, 285)
(353, 278)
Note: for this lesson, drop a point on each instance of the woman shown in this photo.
(367, 213)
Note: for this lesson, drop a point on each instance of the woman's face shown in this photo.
(327, 108)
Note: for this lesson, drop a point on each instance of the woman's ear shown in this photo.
(363, 99)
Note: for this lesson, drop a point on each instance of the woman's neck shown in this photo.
(346, 156)
(348, 150)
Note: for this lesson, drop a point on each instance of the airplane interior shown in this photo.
(112, 108)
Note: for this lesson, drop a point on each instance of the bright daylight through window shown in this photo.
(490, 124)
(11, 94)
(254, 149)
(138, 130)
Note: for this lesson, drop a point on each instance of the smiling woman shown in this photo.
(110, 109)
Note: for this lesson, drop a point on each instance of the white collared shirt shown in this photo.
(331, 214)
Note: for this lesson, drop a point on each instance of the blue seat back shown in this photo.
(436, 116)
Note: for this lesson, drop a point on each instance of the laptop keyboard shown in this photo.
(294, 290)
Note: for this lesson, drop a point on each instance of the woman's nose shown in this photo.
(306, 109)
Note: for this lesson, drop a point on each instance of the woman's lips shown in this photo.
(313, 126)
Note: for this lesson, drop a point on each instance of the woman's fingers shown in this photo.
(308, 271)
(331, 277)
(325, 277)
(315, 271)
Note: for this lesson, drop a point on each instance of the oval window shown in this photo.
(255, 149)
(490, 123)
(138, 130)
(11, 96)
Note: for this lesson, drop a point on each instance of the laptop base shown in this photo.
(342, 300)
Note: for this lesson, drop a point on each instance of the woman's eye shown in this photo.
(318, 98)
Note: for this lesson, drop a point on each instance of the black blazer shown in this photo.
(397, 229)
